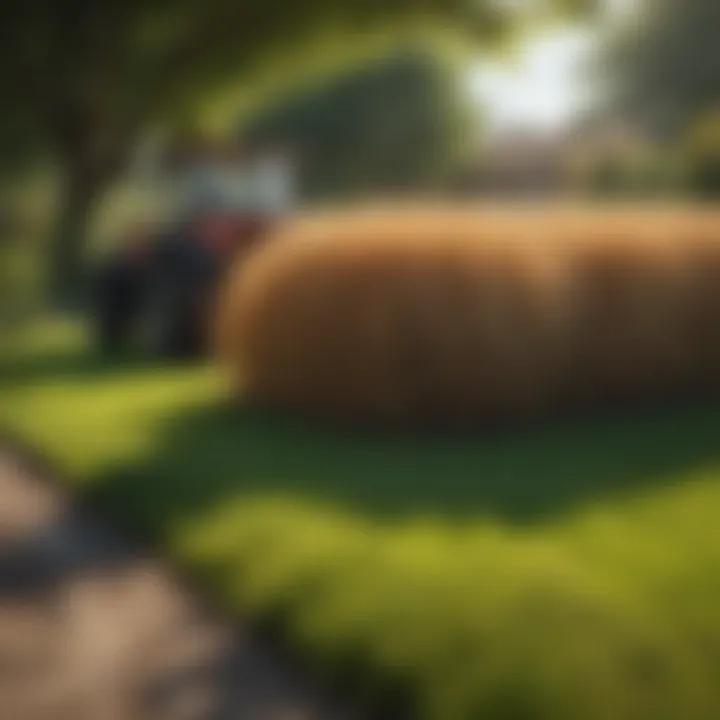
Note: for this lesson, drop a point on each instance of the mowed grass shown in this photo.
(572, 571)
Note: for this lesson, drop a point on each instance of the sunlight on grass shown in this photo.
(567, 573)
(88, 427)
(86, 416)
(605, 615)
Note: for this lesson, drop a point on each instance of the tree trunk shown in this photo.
(79, 196)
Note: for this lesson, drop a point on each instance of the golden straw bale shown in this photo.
(631, 305)
(702, 247)
(450, 315)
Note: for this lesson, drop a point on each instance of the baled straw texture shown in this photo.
(454, 315)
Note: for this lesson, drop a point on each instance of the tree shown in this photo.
(91, 75)
(393, 125)
(664, 63)
(701, 153)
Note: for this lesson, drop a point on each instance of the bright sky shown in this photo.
(543, 87)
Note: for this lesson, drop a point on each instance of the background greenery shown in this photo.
(402, 123)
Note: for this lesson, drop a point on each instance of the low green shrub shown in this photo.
(605, 617)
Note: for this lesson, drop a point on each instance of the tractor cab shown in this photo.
(159, 287)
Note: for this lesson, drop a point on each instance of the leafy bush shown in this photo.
(702, 151)
(398, 124)
(592, 619)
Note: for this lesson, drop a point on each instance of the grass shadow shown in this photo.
(202, 453)
(219, 452)
(78, 366)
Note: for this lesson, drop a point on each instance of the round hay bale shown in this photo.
(449, 316)
(631, 305)
(702, 249)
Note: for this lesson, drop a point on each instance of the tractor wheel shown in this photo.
(115, 306)
(158, 324)
(168, 326)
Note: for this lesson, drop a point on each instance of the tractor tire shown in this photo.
(116, 302)
(168, 325)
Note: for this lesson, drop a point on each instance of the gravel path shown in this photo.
(93, 629)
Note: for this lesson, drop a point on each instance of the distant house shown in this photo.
(599, 140)
(518, 162)
(524, 161)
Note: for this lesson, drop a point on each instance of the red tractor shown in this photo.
(158, 289)
(156, 292)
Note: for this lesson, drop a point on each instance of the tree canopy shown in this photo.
(88, 77)
(396, 125)
(664, 63)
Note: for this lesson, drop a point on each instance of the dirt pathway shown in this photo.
(93, 629)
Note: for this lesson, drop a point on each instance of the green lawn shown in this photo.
(569, 572)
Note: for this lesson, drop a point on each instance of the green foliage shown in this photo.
(701, 152)
(120, 64)
(20, 143)
(398, 123)
(664, 64)
(619, 177)
(610, 178)
(93, 77)
(566, 574)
